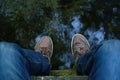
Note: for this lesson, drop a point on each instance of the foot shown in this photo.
(79, 45)
(45, 46)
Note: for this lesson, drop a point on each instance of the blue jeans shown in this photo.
(17, 63)
(102, 64)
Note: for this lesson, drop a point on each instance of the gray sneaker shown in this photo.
(45, 46)
(79, 45)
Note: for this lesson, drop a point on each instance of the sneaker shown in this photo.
(79, 45)
(45, 46)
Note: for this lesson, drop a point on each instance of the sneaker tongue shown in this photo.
(79, 48)
(45, 44)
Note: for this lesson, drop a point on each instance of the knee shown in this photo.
(112, 43)
(2, 44)
(6, 46)
(110, 49)
(8, 49)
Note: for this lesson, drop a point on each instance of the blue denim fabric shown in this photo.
(102, 64)
(19, 64)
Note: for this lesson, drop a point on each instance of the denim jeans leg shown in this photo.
(17, 63)
(107, 62)
(84, 64)
(12, 63)
(38, 64)
(104, 64)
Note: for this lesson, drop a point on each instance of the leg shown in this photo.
(103, 64)
(12, 63)
(79, 47)
(84, 64)
(106, 62)
(18, 64)
(38, 64)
